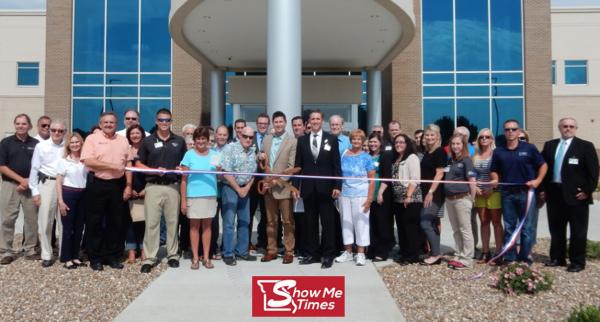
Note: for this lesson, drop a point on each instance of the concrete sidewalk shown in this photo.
(224, 293)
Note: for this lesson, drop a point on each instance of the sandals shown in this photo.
(195, 264)
(70, 265)
(217, 257)
(208, 264)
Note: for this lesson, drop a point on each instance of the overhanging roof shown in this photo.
(336, 34)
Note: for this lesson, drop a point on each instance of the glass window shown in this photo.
(155, 79)
(507, 78)
(474, 114)
(507, 48)
(575, 72)
(445, 78)
(121, 91)
(148, 109)
(473, 91)
(155, 91)
(441, 113)
(85, 114)
(156, 40)
(473, 78)
(437, 35)
(505, 109)
(92, 79)
(120, 106)
(28, 74)
(554, 72)
(471, 35)
(88, 38)
(121, 79)
(507, 90)
(122, 36)
(438, 91)
(87, 91)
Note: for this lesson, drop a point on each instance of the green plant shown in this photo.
(593, 249)
(590, 313)
(518, 278)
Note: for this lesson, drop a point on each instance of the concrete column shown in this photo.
(284, 57)
(217, 95)
(374, 98)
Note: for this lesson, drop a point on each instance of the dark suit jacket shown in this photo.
(579, 169)
(327, 164)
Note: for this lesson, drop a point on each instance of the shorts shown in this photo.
(201, 207)
(491, 202)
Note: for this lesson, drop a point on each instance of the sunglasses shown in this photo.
(57, 131)
(164, 120)
(511, 129)
(44, 125)
(485, 137)
(247, 136)
(568, 126)
(131, 118)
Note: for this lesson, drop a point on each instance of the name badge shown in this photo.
(447, 169)
(574, 161)
(522, 154)
(158, 145)
(388, 148)
(327, 147)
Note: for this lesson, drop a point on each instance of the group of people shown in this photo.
(132, 190)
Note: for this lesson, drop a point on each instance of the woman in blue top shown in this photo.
(199, 194)
(356, 198)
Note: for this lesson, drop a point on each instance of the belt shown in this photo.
(515, 188)
(163, 183)
(42, 177)
(457, 196)
(67, 188)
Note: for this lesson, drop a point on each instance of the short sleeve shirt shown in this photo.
(357, 165)
(16, 155)
(461, 170)
(111, 150)
(156, 152)
(235, 159)
(517, 166)
(74, 172)
(429, 164)
(201, 184)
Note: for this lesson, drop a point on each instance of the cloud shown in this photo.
(23, 4)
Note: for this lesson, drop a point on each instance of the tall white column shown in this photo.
(374, 99)
(217, 95)
(284, 57)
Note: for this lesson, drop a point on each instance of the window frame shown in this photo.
(566, 67)
(19, 69)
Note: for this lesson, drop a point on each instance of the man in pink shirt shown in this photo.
(105, 154)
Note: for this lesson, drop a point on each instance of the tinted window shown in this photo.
(575, 72)
(507, 49)
(472, 35)
(155, 37)
(437, 35)
(88, 45)
(122, 36)
(28, 74)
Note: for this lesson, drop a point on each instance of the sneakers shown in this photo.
(345, 257)
(361, 260)
(229, 260)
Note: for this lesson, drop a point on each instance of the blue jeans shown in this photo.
(234, 205)
(514, 204)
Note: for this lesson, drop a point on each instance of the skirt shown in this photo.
(201, 207)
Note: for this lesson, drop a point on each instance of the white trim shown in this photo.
(139, 55)
(72, 59)
(481, 84)
(523, 109)
(454, 56)
(119, 85)
(475, 72)
(120, 98)
(104, 58)
(490, 101)
(122, 73)
(470, 97)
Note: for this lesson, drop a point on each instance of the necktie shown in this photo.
(315, 147)
(560, 155)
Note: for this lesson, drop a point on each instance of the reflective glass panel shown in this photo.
(156, 40)
(471, 35)
(507, 48)
(473, 91)
(441, 113)
(505, 109)
(507, 78)
(438, 91)
(473, 78)
(148, 109)
(155, 91)
(437, 35)
(120, 106)
(28, 74)
(92, 79)
(553, 72)
(122, 36)
(87, 91)
(474, 114)
(575, 72)
(507, 90)
(85, 114)
(121, 79)
(446, 78)
(155, 79)
(88, 38)
(121, 91)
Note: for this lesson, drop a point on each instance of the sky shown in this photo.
(41, 4)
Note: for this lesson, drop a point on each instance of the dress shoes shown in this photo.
(146, 268)
(555, 263)
(33, 257)
(327, 263)
(288, 258)
(268, 258)
(7, 260)
(47, 263)
(575, 268)
(247, 257)
(116, 265)
(173, 263)
(309, 260)
(229, 260)
(97, 266)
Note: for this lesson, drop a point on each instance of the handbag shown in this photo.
(136, 210)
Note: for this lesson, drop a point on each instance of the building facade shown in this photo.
(22, 64)
(471, 62)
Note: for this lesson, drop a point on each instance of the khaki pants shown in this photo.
(273, 207)
(159, 200)
(459, 215)
(46, 217)
(10, 202)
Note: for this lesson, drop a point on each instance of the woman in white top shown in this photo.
(70, 186)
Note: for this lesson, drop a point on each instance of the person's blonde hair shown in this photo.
(358, 133)
(68, 138)
(436, 130)
(478, 148)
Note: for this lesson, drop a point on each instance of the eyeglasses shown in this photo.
(57, 130)
(164, 120)
(567, 126)
(131, 118)
(485, 137)
(250, 137)
(45, 125)
(522, 138)
(511, 129)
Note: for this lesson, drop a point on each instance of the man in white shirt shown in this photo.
(130, 118)
(42, 182)
(43, 128)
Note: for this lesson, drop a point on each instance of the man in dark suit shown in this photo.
(571, 179)
(317, 153)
